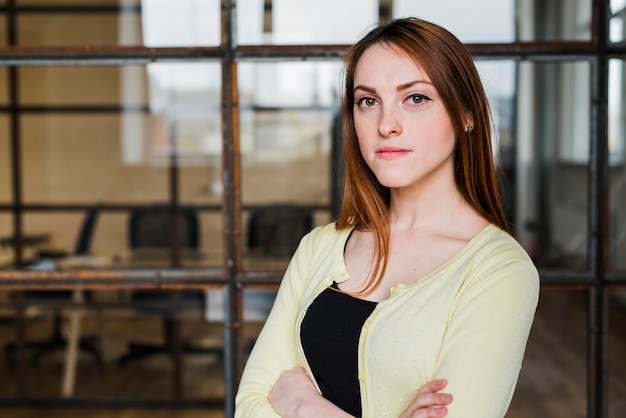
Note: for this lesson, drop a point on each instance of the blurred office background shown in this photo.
(160, 160)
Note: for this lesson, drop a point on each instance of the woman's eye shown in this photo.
(418, 98)
(367, 101)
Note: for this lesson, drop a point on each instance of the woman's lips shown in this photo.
(390, 153)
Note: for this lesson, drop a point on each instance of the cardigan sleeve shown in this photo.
(275, 348)
(487, 333)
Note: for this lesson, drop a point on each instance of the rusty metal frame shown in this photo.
(597, 279)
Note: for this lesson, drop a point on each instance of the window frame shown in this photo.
(598, 279)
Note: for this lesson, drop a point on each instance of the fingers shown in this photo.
(429, 402)
(433, 386)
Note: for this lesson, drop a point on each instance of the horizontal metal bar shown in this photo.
(68, 8)
(123, 55)
(118, 207)
(97, 279)
(103, 55)
(211, 277)
(107, 401)
(75, 108)
(103, 207)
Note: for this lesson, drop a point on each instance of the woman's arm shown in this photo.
(487, 334)
(294, 396)
(275, 348)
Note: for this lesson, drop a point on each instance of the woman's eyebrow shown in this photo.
(400, 87)
(410, 84)
(365, 88)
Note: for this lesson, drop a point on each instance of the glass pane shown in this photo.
(553, 20)
(81, 159)
(552, 163)
(7, 256)
(303, 21)
(5, 161)
(134, 239)
(51, 237)
(155, 23)
(67, 29)
(616, 28)
(617, 345)
(257, 303)
(181, 23)
(460, 17)
(146, 240)
(617, 156)
(498, 78)
(4, 84)
(3, 27)
(76, 2)
(124, 345)
(170, 110)
(552, 383)
(89, 86)
(286, 131)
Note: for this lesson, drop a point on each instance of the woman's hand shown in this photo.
(428, 402)
(292, 388)
(294, 396)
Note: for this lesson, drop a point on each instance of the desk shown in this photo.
(143, 258)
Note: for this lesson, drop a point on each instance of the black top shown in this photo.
(330, 338)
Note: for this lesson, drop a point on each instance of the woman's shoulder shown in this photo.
(493, 248)
(328, 232)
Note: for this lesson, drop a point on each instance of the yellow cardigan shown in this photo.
(468, 321)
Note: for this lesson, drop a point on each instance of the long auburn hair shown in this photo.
(451, 69)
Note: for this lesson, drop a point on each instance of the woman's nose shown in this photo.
(389, 124)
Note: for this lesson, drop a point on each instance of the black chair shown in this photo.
(57, 341)
(152, 229)
(276, 230)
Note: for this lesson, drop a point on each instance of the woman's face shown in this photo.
(404, 131)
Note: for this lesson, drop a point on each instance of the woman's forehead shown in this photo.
(383, 63)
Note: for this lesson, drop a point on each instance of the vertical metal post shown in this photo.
(173, 324)
(16, 174)
(597, 361)
(231, 208)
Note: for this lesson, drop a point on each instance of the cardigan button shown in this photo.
(361, 377)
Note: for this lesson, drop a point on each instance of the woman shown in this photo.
(418, 284)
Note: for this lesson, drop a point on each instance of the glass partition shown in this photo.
(84, 85)
(79, 158)
(108, 152)
(460, 17)
(616, 25)
(132, 339)
(553, 372)
(286, 134)
(617, 345)
(154, 23)
(5, 161)
(617, 172)
(288, 22)
(552, 161)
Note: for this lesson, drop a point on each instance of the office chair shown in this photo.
(89, 344)
(152, 228)
(276, 230)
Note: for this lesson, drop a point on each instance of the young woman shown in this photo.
(418, 284)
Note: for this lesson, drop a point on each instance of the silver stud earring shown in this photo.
(469, 128)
